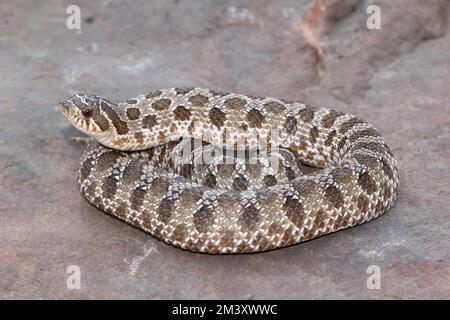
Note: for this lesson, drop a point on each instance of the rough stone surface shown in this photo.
(397, 78)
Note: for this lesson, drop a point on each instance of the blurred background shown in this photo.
(387, 62)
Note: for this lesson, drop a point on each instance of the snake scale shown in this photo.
(129, 171)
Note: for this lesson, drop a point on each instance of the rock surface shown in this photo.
(396, 78)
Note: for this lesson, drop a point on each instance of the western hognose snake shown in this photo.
(133, 172)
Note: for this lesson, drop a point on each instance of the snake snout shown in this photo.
(64, 107)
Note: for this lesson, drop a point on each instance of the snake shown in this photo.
(252, 193)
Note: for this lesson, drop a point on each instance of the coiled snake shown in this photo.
(220, 207)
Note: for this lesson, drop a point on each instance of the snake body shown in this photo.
(130, 172)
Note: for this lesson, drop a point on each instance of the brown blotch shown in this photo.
(121, 210)
(161, 156)
(86, 168)
(120, 142)
(270, 180)
(225, 136)
(366, 182)
(133, 113)
(153, 94)
(301, 146)
(240, 183)
(165, 209)
(162, 138)
(349, 124)
(330, 118)
(182, 113)
(101, 121)
(387, 169)
(330, 138)
(255, 118)
(256, 97)
(340, 221)
(99, 203)
(225, 170)
(342, 143)
(290, 173)
(363, 203)
(249, 217)
(179, 234)
(343, 176)
(314, 133)
(274, 107)
(137, 197)
(227, 239)
(307, 114)
(158, 188)
(191, 126)
(203, 218)
(184, 90)
(109, 187)
(235, 103)
(139, 136)
(367, 160)
(334, 196)
(149, 121)
(106, 160)
(291, 124)
(186, 170)
(161, 104)
(198, 100)
(307, 188)
(90, 189)
(371, 132)
(131, 101)
(319, 221)
(387, 191)
(294, 210)
(217, 117)
(253, 169)
(119, 124)
(210, 180)
(244, 126)
(218, 93)
(132, 173)
(190, 197)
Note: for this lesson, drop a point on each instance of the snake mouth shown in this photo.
(64, 109)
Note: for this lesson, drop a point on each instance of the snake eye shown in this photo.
(87, 112)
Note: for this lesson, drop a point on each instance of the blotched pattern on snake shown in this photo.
(133, 172)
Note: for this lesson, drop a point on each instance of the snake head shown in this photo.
(86, 113)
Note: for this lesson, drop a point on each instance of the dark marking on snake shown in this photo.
(120, 125)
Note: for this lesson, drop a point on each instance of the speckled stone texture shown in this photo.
(321, 52)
